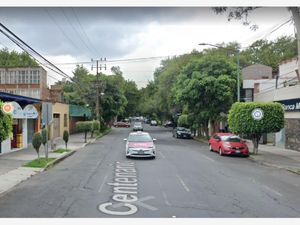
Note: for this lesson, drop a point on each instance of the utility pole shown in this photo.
(98, 66)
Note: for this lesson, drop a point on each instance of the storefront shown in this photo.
(25, 121)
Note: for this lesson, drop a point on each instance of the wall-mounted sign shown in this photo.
(290, 105)
(30, 112)
(7, 108)
(17, 112)
(257, 114)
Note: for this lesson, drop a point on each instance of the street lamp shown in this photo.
(238, 64)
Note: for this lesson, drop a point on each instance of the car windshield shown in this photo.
(181, 128)
(138, 124)
(231, 138)
(139, 138)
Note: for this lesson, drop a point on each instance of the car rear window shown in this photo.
(139, 138)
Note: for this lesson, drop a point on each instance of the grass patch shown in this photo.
(61, 150)
(39, 163)
(103, 133)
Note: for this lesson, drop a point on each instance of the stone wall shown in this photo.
(293, 134)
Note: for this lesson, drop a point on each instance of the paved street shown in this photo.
(185, 180)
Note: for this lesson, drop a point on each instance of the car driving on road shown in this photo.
(182, 132)
(121, 124)
(228, 144)
(140, 144)
(137, 126)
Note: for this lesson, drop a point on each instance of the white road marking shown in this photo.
(166, 200)
(103, 182)
(271, 189)
(209, 158)
(162, 155)
(183, 184)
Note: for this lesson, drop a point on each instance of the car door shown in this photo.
(215, 143)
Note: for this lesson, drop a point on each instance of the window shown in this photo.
(27, 77)
(65, 120)
(22, 74)
(2, 77)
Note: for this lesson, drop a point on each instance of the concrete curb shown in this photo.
(52, 163)
(274, 165)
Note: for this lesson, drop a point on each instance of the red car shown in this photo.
(121, 124)
(228, 144)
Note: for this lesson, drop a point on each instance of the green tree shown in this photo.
(241, 121)
(132, 95)
(16, 59)
(5, 125)
(66, 138)
(36, 142)
(206, 86)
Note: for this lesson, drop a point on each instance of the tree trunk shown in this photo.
(85, 134)
(255, 141)
(296, 18)
(66, 145)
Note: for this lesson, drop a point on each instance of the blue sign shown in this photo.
(290, 105)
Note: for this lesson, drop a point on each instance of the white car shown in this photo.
(140, 144)
(153, 123)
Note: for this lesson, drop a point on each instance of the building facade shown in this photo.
(25, 81)
(26, 116)
(287, 93)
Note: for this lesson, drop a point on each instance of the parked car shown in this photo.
(153, 123)
(228, 144)
(138, 126)
(169, 124)
(121, 124)
(182, 132)
(140, 144)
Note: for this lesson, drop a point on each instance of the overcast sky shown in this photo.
(66, 35)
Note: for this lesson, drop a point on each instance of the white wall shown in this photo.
(5, 146)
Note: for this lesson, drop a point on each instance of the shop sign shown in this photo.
(17, 112)
(30, 112)
(290, 105)
(7, 108)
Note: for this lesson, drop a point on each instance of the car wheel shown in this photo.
(210, 148)
(177, 136)
(220, 152)
(153, 157)
(127, 156)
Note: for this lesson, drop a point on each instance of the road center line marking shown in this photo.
(103, 182)
(270, 189)
(162, 155)
(183, 184)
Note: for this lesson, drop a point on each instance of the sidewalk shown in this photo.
(270, 155)
(281, 158)
(12, 172)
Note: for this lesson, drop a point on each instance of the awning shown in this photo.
(79, 111)
(22, 100)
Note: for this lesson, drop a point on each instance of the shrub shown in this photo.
(5, 125)
(44, 136)
(241, 121)
(95, 127)
(84, 126)
(36, 142)
(66, 138)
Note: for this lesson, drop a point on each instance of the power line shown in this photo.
(61, 29)
(83, 31)
(76, 31)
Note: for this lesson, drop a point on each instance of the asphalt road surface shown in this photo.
(185, 180)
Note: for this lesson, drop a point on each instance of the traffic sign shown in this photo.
(257, 114)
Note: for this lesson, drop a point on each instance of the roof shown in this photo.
(79, 111)
(18, 98)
